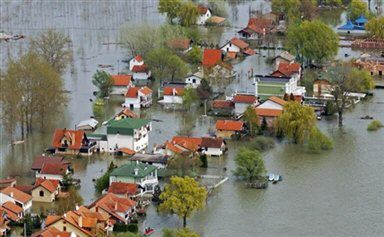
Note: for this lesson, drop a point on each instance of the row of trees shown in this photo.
(31, 87)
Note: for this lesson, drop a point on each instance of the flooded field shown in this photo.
(337, 193)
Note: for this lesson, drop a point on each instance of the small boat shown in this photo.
(17, 142)
(148, 231)
(366, 117)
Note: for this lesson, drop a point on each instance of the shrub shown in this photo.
(330, 108)
(204, 161)
(262, 143)
(374, 125)
(102, 182)
(98, 108)
(318, 141)
(133, 228)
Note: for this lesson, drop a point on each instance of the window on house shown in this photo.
(41, 193)
(193, 80)
(64, 228)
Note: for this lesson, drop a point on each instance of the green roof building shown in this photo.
(126, 126)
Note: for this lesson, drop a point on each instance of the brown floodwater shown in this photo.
(335, 193)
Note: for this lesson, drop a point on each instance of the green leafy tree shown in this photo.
(189, 97)
(188, 14)
(182, 196)
(250, 165)
(251, 120)
(289, 8)
(98, 108)
(139, 39)
(262, 143)
(170, 7)
(357, 8)
(375, 27)
(184, 232)
(343, 79)
(104, 82)
(184, 164)
(218, 8)
(53, 46)
(204, 90)
(164, 64)
(195, 55)
(317, 141)
(306, 41)
(332, 3)
(296, 122)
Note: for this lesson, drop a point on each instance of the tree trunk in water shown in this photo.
(22, 130)
(340, 112)
(185, 221)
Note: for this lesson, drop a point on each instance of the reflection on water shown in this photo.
(336, 193)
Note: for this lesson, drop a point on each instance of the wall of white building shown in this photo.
(170, 99)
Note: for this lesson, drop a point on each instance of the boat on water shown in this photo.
(274, 178)
(148, 231)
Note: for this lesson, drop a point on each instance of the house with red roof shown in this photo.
(183, 45)
(173, 92)
(53, 171)
(214, 66)
(211, 58)
(256, 28)
(124, 190)
(291, 69)
(72, 142)
(7, 182)
(120, 209)
(237, 46)
(242, 101)
(204, 14)
(4, 227)
(139, 69)
(229, 128)
(138, 97)
(45, 190)
(120, 83)
(53, 232)
(125, 113)
(270, 109)
(223, 107)
(11, 211)
(17, 197)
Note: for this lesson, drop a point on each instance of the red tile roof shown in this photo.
(13, 207)
(138, 58)
(40, 160)
(49, 184)
(51, 232)
(222, 104)
(129, 189)
(249, 51)
(10, 213)
(239, 43)
(140, 68)
(179, 43)
(231, 55)
(189, 143)
(246, 99)
(7, 181)
(268, 112)
(129, 113)
(287, 69)
(212, 142)
(132, 92)
(202, 9)
(145, 90)
(229, 125)
(53, 168)
(211, 57)
(277, 100)
(25, 188)
(17, 194)
(173, 90)
(121, 80)
(75, 138)
(127, 151)
(51, 219)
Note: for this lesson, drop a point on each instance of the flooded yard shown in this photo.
(335, 193)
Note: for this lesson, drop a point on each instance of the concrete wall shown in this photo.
(170, 99)
(48, 196)
(120, 140)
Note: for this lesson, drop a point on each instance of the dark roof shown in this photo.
(41, 160)
(272, 79)
(212, 142)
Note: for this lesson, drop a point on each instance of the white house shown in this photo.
(139, 69)
(194, 79)
(121, 83)
(204, 15)
(242, 101)
(173, 94)
(53, 171)
(15, 196)
(213, 146)
(137, 97)
(266, 86)
(136, 61)
(236, 45)
(270, 110)
(139, 173)
(272, 102)
(283, 57)
(129, 133)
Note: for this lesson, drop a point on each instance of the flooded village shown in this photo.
(191, 118)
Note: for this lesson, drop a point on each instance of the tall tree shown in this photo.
(289, 8)
(53, 46)
(188, 14)
(182, 196)
(189, 97)
(170, 7)
(139, 39)
(343, 79)
(296, 122)
(104, 82)
(251, 120)
(375, 27)
(308, 9)
(249, 165)
(312, 41)
(332, 3)
(357, 8)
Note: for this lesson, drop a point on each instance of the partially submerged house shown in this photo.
(291, 69)
(125, 190)
(130, 133)
(138, 97)
(229, 128)
(257, 28)
(53, 171)
(125, 113)
(16, 198)
(204, 14)
(269, 110)
(139, 69)
(214, 66)
(87, 125)
(322, 88)
(354, 27)
(237, 46)
(266, 86)
(40, 161)
(45, 190)
(173, 93)
(72, 142)
(373, 64)
(213, 146)
(195, 79)
(283, 57)
(223, 107)
(120, 83)
(139, 173)
(242, 101)
(183, 45)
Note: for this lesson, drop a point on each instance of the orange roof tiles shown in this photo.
(211, 57)
(140, 68)
(129, 113)
(138, 58)
(287, 69)
(277, 100)
(49, 184)
(189, 143)
(123, 188)
(10, 213)
(17, 194)
(51, 232)
(51, 219)
(13, 207)
(121, 80)
(127, 151)
(268, 112)
(132, 92)
(54, 168)
(75, 138)
(249, 51)
(145, 90)
(202, 9)
(231, 55)
(173, 90)
(246, 99)
(229, 125)
(221, 104)
(239, 43)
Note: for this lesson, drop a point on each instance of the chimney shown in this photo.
(11, 194)
(77, 207)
